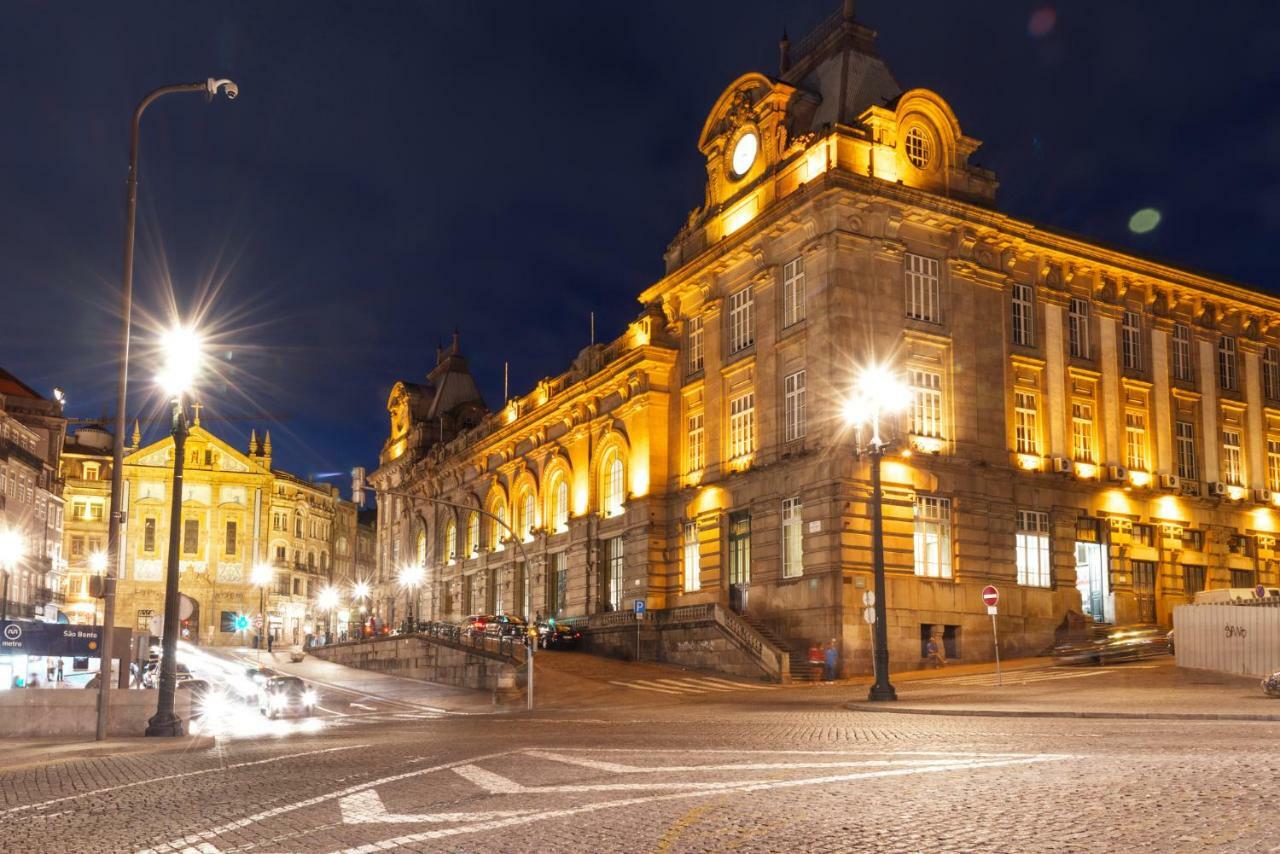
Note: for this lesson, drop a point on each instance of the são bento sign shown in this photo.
(50, 639)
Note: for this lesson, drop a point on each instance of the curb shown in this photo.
(52, 754)
(1031, 713)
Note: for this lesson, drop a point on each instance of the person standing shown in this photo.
(832, 659)
(59, 669)
(815, 661)
(934, 652)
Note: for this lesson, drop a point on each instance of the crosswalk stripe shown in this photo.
(692, 685)
(671, 685)
(1018, 678)
(737, 685)
(644, 687)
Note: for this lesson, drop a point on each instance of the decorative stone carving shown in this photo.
(1206, 315)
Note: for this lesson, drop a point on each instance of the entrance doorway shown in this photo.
(1091, 579)
(1144, 589)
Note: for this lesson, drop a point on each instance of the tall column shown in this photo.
(1163, 463)
(1111, 410)
(1255, 440)
(1055, 382)
(1209, 438)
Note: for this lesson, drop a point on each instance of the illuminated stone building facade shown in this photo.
(1090, 431)
(238, 511)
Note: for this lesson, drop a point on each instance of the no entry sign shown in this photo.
(990, 595)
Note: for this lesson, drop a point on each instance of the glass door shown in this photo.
(1144, 590)
(1091, 580)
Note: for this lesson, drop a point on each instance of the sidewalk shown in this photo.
(1145, 690)
(16, 753)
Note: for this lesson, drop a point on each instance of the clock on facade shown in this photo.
(744, 153)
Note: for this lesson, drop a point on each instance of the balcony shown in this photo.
(10, 450)
(47, 596)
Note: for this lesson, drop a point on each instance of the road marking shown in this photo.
(367, 808)
(746, 685)
(645, 687)
(332, 712)
(179, 777)
(617, 768)
(737, 786)
(363, 706)
(695, 684)
(1017, 678)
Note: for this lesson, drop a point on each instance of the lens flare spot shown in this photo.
(1144, 221)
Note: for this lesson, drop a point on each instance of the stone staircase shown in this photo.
(800, 670)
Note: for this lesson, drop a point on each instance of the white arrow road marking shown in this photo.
(617, 768)
(367, 808)
(740, 786)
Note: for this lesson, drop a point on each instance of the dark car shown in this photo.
(1114, 644)
(477, 624)
(151, 674)
(282, 696)
(506, 626)
(553, 635)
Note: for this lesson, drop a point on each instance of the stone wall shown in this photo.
(429, 659)
(701, 646)
(73, 713)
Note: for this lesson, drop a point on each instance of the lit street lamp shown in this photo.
(360, 596)
(12, 550)
(410, 578)
(327, 601)
(182, 362)
(261, 577)
(877, 392)
(210, 88)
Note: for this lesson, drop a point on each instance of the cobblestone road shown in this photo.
(766, 772)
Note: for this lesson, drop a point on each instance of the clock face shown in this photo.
(744, 153)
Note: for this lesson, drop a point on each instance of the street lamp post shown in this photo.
(360, 595)
(410, 578)
(260, 576)
(210, 88)
(327, 601)
(877, 392)
(182, 359)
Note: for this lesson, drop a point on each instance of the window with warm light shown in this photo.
(230, 539)
(420, 547)
(925, 415)
(1185, 441)
(794, 405)
(924, 299)
(742, 424)
(190, 536)
(792, 538)
(917, 147)
(739, 541)
(560, 504)
(1022, 308)
(1078, 328)
(696, 444)
(1271, 372)
(450, 541)
(614, 558)
(92, 471)
(1026, 423)
(695, 344)
(1182, 369)
(932, 536)
(1273, 464)
(1032, 547)
(612, 492)
(793, 292)
(1082, 444)
(528, 519)
(473, 534)
(498, 526)
(741, 321)
(692, 557)
(1227, 368)
(1135, 436)
(1131, 340)
(149, 535)
(1232, 468)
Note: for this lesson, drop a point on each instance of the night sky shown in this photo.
(392, 171)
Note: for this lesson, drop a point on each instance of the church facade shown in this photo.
(1093, 433)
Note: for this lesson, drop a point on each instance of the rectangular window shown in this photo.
(1271, 372)
(1026, 423)
(742, 424)
(793, 385)
(695, 344)
(148, 535)
(793, 292)
(1135, 436)
(1232, 470)
(922, 288)
(933, 536)
(1078, 328)
(1227, 362)
(741, 324)
(792, 538)
(1131, 340)
(1192, 540)
(1023, 314)
(231, 537)
(1185, 436)
(739, 547)
(1033, 548)
(614, 557)
(1181, 352)
(1273, 464)
(190, 536)
(697, 444)
(1192, 579)
(92, 470)
(79, 509)
(1082, 432)
(95, 511)
(77, 546)
(558, 579)
(692, 557)
(1144, 535)
(926, 403)
(1243, 578)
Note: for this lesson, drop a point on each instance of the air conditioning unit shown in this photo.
(1168, 481)
(1116, 473)
(1217, 488)
(1262, 496)
(1190, 487)
(1062, 465)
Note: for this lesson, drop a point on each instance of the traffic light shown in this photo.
(242, 622)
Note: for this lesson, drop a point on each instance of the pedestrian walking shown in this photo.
(832, 659)
(59, 669)
(935, 654)
(815, 660)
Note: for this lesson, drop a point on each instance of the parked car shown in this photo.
(151, 674)
(283, 696)
(553, 635)
(506, 626)
(1114, 644)
(477, 624)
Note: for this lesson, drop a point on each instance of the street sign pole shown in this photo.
(991, 598)
(639, 609)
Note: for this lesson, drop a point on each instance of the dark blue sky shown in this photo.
(393, 170)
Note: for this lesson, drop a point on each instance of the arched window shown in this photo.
(560, 504)
(611, 490)
(473, 534)
(528, 517)
(498, 527)
(324, 561)
(451, 541)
